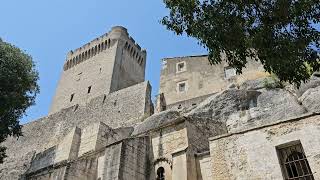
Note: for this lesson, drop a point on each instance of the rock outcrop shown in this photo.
(312, 83)
(156, 120)
(255, 103)
(311, 99)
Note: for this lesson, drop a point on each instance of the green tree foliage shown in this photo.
(18, 89)
(279, 33)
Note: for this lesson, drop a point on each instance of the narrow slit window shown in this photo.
(294, 163)
(89, 89)
(71, 97)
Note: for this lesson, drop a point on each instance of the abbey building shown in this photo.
(208, 122)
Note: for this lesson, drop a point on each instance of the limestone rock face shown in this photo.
(271, 105)
(156, 120)
(311, 99)
(259, 83)
(241, 108)
(312, 83)
(221, 105)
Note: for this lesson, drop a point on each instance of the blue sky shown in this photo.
(47, 30)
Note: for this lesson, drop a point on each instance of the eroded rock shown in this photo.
(311, 99)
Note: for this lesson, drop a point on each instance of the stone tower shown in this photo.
(109, 63)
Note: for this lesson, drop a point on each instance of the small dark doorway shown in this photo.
(160, 173)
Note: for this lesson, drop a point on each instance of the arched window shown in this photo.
(109, 43)
(294, 162)
(126, 45)
(99, 48)
(160, 173)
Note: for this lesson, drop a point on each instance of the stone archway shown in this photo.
(163, 169)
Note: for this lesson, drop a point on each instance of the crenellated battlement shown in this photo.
(103, 43)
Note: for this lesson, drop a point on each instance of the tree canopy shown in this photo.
(281, 34)
(18, 89)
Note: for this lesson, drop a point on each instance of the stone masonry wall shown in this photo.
(204, 167)
(167, 140)
(252, 154)
(197, 139)
(135, 159)
(68, 148)
(110, 163)
(83, 169)
(43, 159)
(201, 78)
(190, 103)
(121, 108)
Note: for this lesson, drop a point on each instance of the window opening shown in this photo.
(294, 163)
(182, 87)
(71, 97)
(181, 67)
(160, 173)
(89, 89)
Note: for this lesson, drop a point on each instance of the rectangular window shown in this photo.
(294, 162)
(181, 66)
(229, 72)
(182, 87)
(89, 89)
(71, 97)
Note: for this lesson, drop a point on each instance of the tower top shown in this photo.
(101, 43)
(104, 65)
